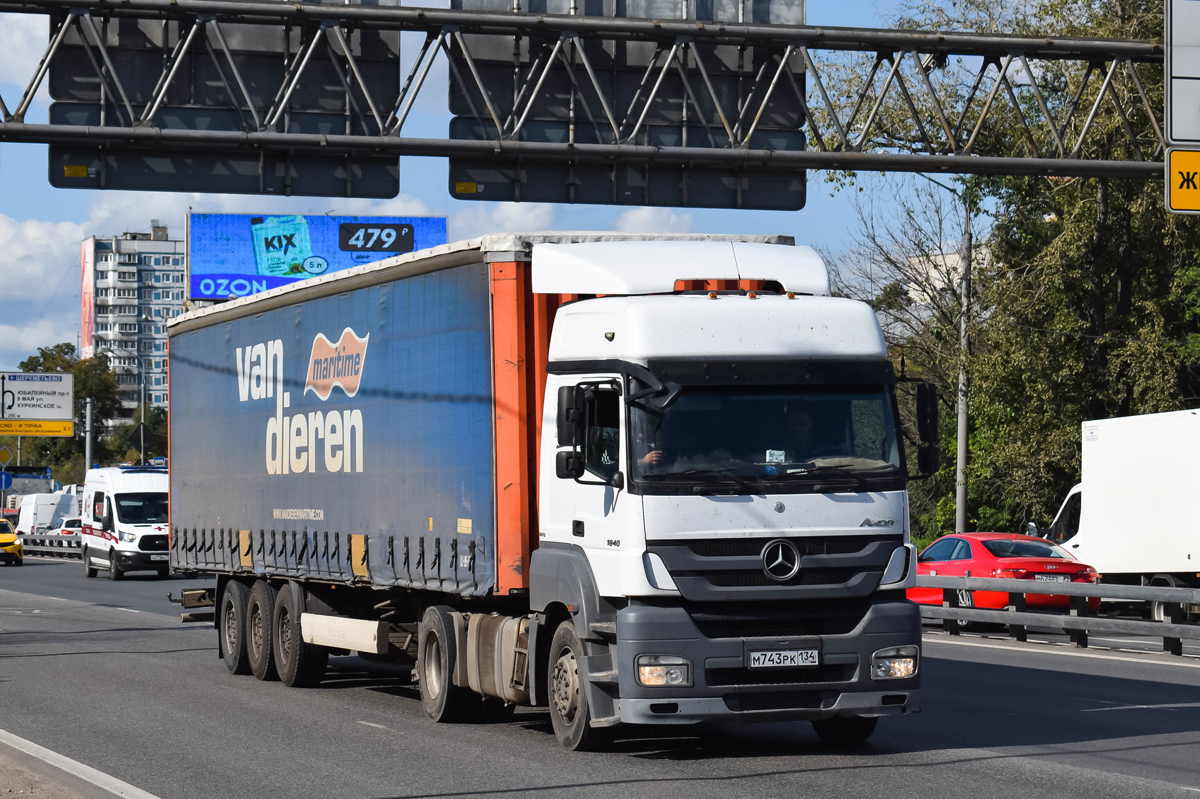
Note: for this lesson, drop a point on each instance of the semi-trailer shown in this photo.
(637, 480)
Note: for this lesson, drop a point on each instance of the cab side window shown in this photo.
(602, 433)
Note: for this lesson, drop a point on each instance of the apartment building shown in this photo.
(132, 285)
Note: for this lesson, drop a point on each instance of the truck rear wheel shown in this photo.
(569, 711)
(436, 656)
(300, 664)
(231, 632)
(260, 609)
(845, 730)
(88, 569)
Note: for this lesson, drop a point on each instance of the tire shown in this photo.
(114, 571)
(164, 573)
(88, 569)
(300, 664)
(231, 628)
(260, 609)
(567, 687)
(19, 562)
(444, 702)
(845, 730)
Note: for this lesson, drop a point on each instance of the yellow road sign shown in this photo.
(1183, 181)
(28, 427)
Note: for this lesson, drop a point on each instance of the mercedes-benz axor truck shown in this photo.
(124, 521)
(638, 480)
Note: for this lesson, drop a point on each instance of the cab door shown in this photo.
(605, 518)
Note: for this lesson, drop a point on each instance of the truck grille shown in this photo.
(153, 543)
(771, 620)
(779, 700)
(732, 568)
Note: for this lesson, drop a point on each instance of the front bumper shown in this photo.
(142, 561)
(723, 688)
(12, 554)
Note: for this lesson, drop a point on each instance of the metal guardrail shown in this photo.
(1077, 621)
(54, 546)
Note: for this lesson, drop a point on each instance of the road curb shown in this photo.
(87, 774)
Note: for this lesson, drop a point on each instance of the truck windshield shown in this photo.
(744, 435)
(142, 508)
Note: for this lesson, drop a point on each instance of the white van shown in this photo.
(125, 521)
(39, 512)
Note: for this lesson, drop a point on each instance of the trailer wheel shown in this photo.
(88, 569)
(231, 631)
(436, 655)
(260, 609)
(569, 712)
(114, 571)
(300, 664)
(845, 730)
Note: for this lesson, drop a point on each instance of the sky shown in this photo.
(41, 227)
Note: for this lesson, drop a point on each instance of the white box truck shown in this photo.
(1132, 515)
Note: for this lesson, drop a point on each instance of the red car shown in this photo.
(1020, 557)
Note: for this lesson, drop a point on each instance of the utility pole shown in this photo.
(142, 429)
(960, 471)
(87, 440)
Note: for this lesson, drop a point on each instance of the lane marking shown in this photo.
(76, 769)
(1052, 651)
(129, 610)
(376, 726)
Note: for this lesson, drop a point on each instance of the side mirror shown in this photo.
(568, 465)
(569, 416)
(617, 481)
(928, 460)
(927, 414)
(1032, 529)
(108, 522)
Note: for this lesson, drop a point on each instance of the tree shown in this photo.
(93, 377)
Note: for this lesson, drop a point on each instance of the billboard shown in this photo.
(235, 255)
(87, 294)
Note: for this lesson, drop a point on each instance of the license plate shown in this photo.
(783, 658)
(160, 557)
(1051, 578)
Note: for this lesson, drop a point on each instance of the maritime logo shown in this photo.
(339, 364)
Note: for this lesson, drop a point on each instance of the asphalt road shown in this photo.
(104, 673)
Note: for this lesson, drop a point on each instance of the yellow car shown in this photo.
(11, 550)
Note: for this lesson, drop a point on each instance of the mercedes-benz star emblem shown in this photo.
(780, 560)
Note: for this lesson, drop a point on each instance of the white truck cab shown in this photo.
(125, 521)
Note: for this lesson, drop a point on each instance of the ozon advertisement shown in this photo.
(235, 255)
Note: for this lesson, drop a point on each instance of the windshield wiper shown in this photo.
(726, 474)
(841, 470)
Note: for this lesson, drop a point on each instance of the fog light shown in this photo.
(663, 670)
(894, 663)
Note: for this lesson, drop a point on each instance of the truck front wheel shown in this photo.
(436, 657)
(231, 633)
(845, 730)
(569, 713)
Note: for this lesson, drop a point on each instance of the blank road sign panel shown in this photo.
(1183, 71)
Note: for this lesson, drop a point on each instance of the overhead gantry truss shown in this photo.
(809, 98)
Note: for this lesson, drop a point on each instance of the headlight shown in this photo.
(129, 538)
(894, 663)
(663, 670)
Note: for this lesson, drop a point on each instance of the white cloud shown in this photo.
(23, 39)
(40, 261)
(654, 220)
(477, 219)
